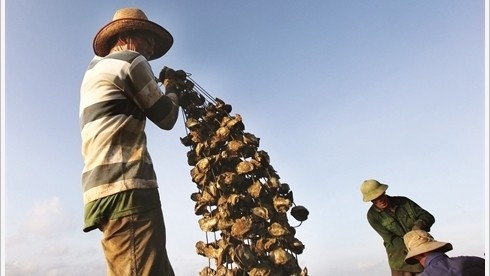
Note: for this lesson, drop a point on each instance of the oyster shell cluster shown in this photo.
(240, 199)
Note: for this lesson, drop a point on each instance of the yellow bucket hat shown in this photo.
(419, 241)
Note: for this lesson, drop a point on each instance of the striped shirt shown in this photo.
(118, 93)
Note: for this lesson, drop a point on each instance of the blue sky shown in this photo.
(337, 91)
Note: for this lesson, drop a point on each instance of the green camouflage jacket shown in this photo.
(392, 226)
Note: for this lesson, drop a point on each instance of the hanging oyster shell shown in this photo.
(191, 98)
(281, 204)
(244, 167)
(197, 176)
(284, 189)
(233, 199)
(234, 122)
(255, 189)
(229, 164)
(191, 158)
(222, 106)
(262, 157)
(260, 271)
(207, 199)
(200, 208)
(244, 257)
(250, 139)
(222, 133)
(225, 224)
(296, 246)
(300, 213)
(274, 182)
(234, 146)
(277, 230)
(226, 181)
(192, 123)
(196, 196)
(208, 223)
(203, 164)
(264, 245)
(207, 271)
(279, 256)
(241, 228)
(214, 250)
(261, 212)
(187, 140)
(239, 195)
(223, 271)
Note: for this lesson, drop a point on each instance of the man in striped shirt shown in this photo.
(120, 191)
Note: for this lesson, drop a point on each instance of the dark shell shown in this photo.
(300, 213)
(245, 257)
(284, 188)
(187, 141)
(296, 246)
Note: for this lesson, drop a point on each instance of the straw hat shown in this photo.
(371, 189)
(419, 241)
(129, 19)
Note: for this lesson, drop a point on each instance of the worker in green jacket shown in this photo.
(392, 217)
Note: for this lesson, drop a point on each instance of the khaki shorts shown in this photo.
(135, 245)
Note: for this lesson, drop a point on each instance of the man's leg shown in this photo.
(136, 245)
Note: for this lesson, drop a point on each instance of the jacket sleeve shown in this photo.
(161, 109)
(424, 219)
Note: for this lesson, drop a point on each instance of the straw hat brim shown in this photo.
(424, 248)
(163, 39)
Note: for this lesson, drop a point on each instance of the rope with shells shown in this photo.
(241, 202)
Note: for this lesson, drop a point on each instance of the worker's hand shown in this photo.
(167, 76)
(175, 83)
(170, 77)
(418, 225)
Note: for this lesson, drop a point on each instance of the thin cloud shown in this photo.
(45, 241)
(47, 218)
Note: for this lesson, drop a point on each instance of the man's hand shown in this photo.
(175, 83)
(175, 79)
(418, 225)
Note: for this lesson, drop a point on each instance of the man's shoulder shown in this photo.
(128, 56)
(470, 259)
(400, 199)
(373, 211)
(469, 265)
